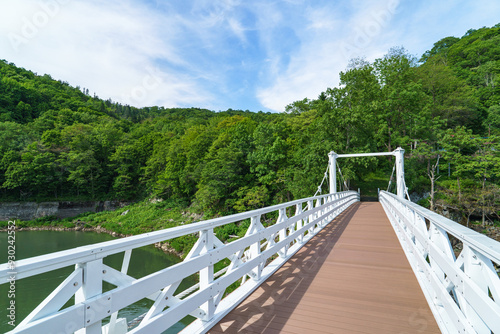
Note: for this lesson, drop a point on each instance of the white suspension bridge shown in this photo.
(344, 267)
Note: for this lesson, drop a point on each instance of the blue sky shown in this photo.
(255, 55)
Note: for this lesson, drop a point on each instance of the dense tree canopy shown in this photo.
(58, 142)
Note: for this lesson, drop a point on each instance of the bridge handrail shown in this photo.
(488, 246)
(255, 256)
(463, 292)
(43, 263)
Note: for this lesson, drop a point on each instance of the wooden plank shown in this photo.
(353, 277)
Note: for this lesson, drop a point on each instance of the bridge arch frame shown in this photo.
(400, 169)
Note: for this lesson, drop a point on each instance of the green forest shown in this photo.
(59, 143)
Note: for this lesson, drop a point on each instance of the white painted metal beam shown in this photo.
(357, 155)
(400, 172)
(332, 164)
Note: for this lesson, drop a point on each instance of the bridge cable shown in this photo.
(406, 190)
(324, 178)
(405, 187)
(342, 177)
(392, 174)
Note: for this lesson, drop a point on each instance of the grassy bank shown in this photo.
(141, 217)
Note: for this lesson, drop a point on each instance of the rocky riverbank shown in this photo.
(491, 231)
(64, 209)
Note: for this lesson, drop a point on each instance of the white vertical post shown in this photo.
(332, 161)
(113, 329)
(400, 172)
(255, 249)
(207, 273)
(298, 211)
(282, 218)
(92, 286)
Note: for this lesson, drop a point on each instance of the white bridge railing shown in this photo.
(463, 291)
(256, 256)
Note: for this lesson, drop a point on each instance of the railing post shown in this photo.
(91, 287)
(255, 249)
(282, 218)
(310, 206)
(319, 212)
(113, 328)
(336, 211)
(330, 207)
(207, 273)
(298, 211)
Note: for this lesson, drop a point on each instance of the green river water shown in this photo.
(29, 292)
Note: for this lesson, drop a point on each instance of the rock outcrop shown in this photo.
(32, 210)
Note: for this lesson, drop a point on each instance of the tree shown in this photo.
(34, 172)
(477, 158)
(402, 99)
(221, 177)
(13, 136)
(127, 163)
(492, 121)
(268, 158)
(440, 48)
(226, 170)
(352, 115)
(453, 102)
(81, 160)
(431, 156)
(83, 170)
(251, 198)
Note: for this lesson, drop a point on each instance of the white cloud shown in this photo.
(109, 48)
(335, 34)
(237, 29)
(326, 45)
(420, 26)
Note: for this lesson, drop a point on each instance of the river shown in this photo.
(29, 292)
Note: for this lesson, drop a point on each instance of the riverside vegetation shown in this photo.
(58, 142)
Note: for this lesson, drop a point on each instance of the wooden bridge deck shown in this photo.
(353, 277)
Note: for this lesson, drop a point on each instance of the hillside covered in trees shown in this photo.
(58, 142)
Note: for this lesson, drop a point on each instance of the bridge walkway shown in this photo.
(353, 277)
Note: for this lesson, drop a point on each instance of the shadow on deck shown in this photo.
(352, 277)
